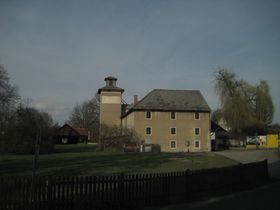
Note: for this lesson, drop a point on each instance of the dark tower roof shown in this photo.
(111, 85)
(110, 78)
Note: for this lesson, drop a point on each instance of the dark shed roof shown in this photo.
(172, 100)
(216, 128)
(67, 130)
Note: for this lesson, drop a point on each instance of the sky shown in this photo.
(58, 52)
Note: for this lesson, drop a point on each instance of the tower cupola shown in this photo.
(111, 85)
(110, 81)
(110, 103)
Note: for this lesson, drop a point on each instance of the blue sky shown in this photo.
(59, 51)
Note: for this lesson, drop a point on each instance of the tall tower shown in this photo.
(110, 103)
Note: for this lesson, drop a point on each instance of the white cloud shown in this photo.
(40, 105)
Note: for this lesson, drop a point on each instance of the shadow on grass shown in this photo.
(82, 147)
(113, 163)
(106, 163)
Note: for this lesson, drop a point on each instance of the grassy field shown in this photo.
(86, 160)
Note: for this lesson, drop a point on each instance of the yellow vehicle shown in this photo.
(270, 141)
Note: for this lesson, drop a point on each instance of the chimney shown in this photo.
(135, 99)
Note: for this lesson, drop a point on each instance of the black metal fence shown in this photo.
(126, 191)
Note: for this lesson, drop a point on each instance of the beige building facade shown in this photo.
(177, 120)
(184, 133)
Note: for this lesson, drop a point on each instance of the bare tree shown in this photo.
(86, 115)
(114, 138)
(23, 129)
(20, 124)
(8, 100)
(8, 92)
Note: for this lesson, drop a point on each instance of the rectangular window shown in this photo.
(196, 116)
(173, 131)
(173, 115)
(173, 144)
(197, 131)
(148, 115)
(197, 144)
(148, 131)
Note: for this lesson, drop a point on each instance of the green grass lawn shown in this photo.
(86, 160)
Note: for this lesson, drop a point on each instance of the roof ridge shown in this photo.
(165, 89)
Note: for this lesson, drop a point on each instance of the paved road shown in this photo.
(262, 198)
(247, 156)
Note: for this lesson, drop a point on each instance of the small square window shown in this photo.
(148, 131)
(197, 144)
(148, 115)
(197, 131)
(196, 116)
(173, 115)
(173, 131)
(173, 144)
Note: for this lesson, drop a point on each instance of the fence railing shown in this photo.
(125, 191)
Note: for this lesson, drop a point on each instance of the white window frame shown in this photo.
(146, 131)
(195, 147)
(199, 133)
(175, 116)
(198, 115)
(171, 131)
(150, 115)
(171, 144)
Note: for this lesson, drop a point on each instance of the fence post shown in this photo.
(121, 190)
(266, 175)
(187, 184)
(241, 180)
(3, 194)
(49, 192)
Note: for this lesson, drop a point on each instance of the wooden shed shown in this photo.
(69, 135)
